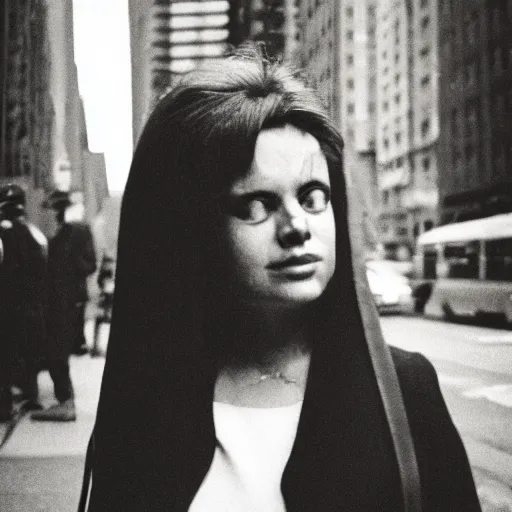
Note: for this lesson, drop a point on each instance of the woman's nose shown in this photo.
(293, 230)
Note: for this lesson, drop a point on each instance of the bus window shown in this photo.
(462, 260)
(499, 259)
(429, 261)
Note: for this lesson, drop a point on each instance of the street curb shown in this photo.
(7, 428)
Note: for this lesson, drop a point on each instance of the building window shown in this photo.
(385, 106)
(425, 128)
(385, 143)
(425, 80)
(399, 161)
(385, 71)
(349, 11)
(350, 108)
(471, 115)
(423, 3)
(470, 153)
(350, 35)
(397, 99)
(384, 55)
(371, 107)
(385, 200)
(350, 59)
(397, 78)
(456, 157)
(470, 73)
(425, 22)
(397, 58)
(426, 164)
(455, 122)
(425, 51)
(398, 140)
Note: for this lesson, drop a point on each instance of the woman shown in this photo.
(242, 373)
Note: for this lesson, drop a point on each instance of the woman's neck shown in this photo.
(267, 358)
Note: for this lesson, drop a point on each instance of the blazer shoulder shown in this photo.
(416, 375)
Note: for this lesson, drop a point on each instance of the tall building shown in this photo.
(475, 158)
(26, 110)
(408, 121)
(337, 50)
(273, 22)
(170, 37)
(43, 135)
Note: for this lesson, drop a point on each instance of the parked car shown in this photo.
(389, 287)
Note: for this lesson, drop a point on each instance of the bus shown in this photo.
(465, 268)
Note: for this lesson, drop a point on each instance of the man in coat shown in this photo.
(71, 260)
(22, 275)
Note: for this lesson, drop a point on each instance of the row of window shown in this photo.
(399, 162)
(497, 19)
(463, 260)
(402, 230)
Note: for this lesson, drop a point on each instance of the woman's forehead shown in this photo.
(285, 153)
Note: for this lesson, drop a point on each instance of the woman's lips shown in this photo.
(295, 264)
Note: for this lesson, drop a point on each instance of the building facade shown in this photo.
(475, 145)
(171, 37)
(337, 44)
(26, 112)
(407, 122)
(43, 137)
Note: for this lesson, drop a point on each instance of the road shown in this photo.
(474, 366)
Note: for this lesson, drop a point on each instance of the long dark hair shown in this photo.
(154, 434)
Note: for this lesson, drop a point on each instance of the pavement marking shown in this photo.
(455, 382)
(499, 393)
(495, 338)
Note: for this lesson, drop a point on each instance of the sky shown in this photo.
(102, 55)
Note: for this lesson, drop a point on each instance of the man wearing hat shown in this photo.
(22, 275)
(71, 259)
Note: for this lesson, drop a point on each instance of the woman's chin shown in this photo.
(298, 292)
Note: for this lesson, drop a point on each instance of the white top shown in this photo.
(253, 447)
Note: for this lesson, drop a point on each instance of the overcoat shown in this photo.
(71, 258)
(22, 275)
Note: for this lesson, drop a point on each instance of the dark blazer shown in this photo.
(445, 474)
(71, 258)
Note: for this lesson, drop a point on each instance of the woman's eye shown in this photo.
(255, 210)
(315, 200)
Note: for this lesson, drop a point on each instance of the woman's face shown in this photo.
(279, 224)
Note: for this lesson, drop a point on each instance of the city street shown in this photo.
(474, 366)
(41, 464)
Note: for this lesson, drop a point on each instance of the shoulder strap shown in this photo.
(391, 394)
(86, 481)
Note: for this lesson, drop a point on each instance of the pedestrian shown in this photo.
(22, 275)
(242, 371)
(71, 260)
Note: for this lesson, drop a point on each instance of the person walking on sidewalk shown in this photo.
(22, 275)
(71, 260)
(245, 367)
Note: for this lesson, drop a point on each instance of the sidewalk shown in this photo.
(41, 463)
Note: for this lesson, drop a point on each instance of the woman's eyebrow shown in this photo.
(247, 196)
(315, 183)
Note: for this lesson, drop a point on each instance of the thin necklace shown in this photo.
(277, 375)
